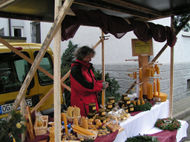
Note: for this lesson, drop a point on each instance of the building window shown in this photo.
(36, 32)
(17, 32)
(188, 84)
(2, 32)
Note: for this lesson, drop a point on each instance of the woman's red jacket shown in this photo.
(84, 86)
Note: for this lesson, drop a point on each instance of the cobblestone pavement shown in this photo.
(182, 109)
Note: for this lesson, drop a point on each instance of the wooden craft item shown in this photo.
(143, 63)
(65, 123)
(154, 87)
(29, 124)
(140, 92)
(149, 91)
(162, 96)
(158, 86)
(41, 125)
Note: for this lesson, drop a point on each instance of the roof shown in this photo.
(43, 10)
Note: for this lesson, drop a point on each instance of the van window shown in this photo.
(46, 63)
(13, 70)
(21, 66)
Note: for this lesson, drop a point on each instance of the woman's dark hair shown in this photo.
(83, 52)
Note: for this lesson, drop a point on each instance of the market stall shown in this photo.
(143, 30)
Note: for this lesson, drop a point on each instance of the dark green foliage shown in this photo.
(145, 107)
(142, 139)
(68, 57)
(168, 124)
(8, 128)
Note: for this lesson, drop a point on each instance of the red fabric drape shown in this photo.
(116, 26)
(166, 136)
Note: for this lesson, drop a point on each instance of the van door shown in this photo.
(13, 70)
(45, 83)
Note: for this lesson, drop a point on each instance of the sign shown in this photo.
(142, 48)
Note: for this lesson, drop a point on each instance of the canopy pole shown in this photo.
(97, 44)
(171, 73)
(48, 39)
(103, 70)
(159, 53)
(57, 76)
(171, 82)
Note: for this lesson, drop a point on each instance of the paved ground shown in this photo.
(181, 105)
(181, 110)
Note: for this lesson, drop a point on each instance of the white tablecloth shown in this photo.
(144, 122)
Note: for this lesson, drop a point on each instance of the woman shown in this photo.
(84, 86)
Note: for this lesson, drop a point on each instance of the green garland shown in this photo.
(168, 124)
(142, 139)
(145, 107)
(12, 128)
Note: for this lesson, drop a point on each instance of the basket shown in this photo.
(41, 130)
(87, 137)
(70, 119)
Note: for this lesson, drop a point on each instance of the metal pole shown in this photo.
(103, 71)
(9, 25)
(57, 76)
(171, 73)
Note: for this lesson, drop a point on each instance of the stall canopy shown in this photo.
(113, 16)
(43, 10)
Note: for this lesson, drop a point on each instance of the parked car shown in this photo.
(13, 70)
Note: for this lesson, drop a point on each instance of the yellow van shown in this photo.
(13, 70)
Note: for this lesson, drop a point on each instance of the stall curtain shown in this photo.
(116, 26)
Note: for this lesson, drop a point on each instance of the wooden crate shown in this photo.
(42, 128)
